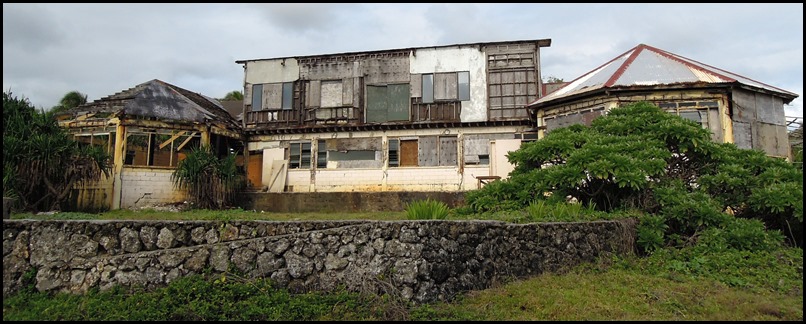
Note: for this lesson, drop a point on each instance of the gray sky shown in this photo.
(102, 49)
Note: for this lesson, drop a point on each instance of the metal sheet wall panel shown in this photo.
(347, 92)
(448, 150)
(272, 95)
(742, 135)
(428, 148)
(332, 93)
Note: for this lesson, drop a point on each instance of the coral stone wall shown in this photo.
(424, 261)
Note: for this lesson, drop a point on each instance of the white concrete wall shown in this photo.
(424, 179)
(329, 180)
(147, 187)
(434, 60)
(272, 71)
(299, 180)
(448, 178)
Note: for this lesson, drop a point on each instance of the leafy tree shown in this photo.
(552, 79)
(41, 161)
(233, 95)
(70, 100)
(638, 156)
(211, 182)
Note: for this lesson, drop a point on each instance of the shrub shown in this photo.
(211, 182)
(427, 209)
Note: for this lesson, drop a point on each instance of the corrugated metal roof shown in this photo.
(163, 101)
(645, 65)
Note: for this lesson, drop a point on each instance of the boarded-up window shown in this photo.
(272, 96)
(402, 152)
(476, 147)
(387, 103)
(332, 93)
(446, 86)
(437, 151)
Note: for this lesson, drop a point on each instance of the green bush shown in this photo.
(427, 209)
(211, 182)
(641, 157)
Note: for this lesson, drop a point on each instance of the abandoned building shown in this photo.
(438, 118)
(147, 129)
(415, 120)
(734, 108)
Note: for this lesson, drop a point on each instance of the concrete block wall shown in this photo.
(423, 179)
(147, 187)
(423, 261)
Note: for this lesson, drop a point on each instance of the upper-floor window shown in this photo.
(446, 86)
(272, 96)
(387, 103)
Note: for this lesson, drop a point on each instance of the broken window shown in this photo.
(705, 112)
(387, 103)
(159, 147)
(299, 155)
(100, 137)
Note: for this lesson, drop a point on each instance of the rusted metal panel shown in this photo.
(448, 150)
(386, 70)
(332, 93)
(347, 91)
(769, 110)
(312, 93)
(354, 144)
(744, 106)
(770, 138)
(742, 135)
(358, 87)
(327, 70)
(428, 149)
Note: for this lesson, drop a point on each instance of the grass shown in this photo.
(617, 294)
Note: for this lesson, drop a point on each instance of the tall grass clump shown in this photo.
(427, 209)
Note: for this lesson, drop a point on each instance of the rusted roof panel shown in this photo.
(645, 65)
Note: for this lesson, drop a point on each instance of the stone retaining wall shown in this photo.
(423, 261)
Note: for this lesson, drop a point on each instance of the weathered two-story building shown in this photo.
(436, 118)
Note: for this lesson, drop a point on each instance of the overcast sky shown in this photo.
(101, 49)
